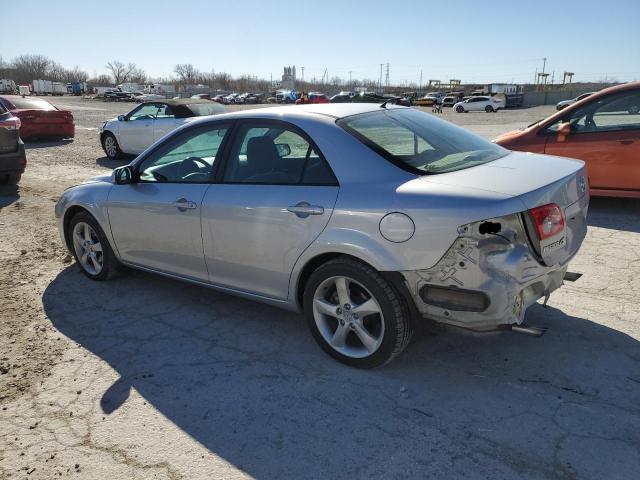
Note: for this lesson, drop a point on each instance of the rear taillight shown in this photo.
(12, 123)
(548, 220)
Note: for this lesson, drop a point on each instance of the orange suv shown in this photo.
(603, 130)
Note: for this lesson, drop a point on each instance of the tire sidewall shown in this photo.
(391, 308)
(460, 109)
(109, 261)
(104, 141)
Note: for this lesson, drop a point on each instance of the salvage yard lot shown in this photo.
(145, 377)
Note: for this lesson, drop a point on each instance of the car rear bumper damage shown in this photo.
(485, 280)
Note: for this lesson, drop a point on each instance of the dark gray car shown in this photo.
(13, 159)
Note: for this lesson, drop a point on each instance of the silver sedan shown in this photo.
(370, 219)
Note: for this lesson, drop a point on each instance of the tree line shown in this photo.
(24, 69)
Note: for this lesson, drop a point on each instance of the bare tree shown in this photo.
(186, 73)
(136, 74)
(119, 71)
(31, 67)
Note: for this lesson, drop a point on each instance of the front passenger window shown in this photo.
(189, 158)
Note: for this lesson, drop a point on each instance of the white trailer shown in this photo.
(7, 86)
(100, 91)
(58, 88)
(159, 89)
(43, 87)
(24, 90)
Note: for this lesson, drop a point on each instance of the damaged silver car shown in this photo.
(370, 219)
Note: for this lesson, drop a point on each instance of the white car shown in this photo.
(566, 103)
(148, 97)
(479, 104)
(132, 133)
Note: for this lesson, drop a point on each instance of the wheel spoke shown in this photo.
(84, 257)
(96, 247)
(77, 239)
(94, 261)
(368, 340)
(87, 232)
(340, 336)
(342, 288)
(324, 307)
(367, 308)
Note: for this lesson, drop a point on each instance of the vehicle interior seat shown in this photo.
(264, 164)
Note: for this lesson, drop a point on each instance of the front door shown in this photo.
(155, 221)
(135, 134)
(606, 135)
(276, 197)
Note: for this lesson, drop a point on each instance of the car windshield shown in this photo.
(419, 142)
(31, 104)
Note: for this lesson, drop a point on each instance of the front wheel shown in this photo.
(111, 147)
(91, 248)
(459, 109)
(355, 315)
(488, 109)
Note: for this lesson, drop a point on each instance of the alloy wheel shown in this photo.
(348, 317)
(110, 146)
(88, 248)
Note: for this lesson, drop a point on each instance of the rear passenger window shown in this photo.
(276, 155)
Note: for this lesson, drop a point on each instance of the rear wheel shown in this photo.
(111, 147)
(488, 109)
(459, 109)
(91, 248)
(355, 315)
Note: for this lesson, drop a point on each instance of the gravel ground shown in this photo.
(145, 377)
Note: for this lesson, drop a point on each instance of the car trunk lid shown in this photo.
(44, 116)
(535, 180)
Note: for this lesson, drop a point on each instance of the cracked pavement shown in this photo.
(145, 377)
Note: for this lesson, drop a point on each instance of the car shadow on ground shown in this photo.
(615, 213)
(106, 162)
(8, 195)
(43, 143)
(248, 383)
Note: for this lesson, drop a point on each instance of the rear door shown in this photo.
(605, 134)
(275, 197)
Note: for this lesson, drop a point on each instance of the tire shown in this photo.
(460, 109)
(111, 147)
(103, 264)
(386, 328)
(488, 109)
(11, 179)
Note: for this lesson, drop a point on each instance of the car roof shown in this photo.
(335, 110)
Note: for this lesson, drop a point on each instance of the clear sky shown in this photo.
(475, 41)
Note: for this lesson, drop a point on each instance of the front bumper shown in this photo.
(501, 268)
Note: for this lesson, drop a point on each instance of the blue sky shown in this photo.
(475, 41)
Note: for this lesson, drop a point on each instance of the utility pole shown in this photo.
(386, 81)
(420, 83)
(350, 83)
(380, 79)
(302, 73)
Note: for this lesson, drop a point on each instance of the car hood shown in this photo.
(518, 174)
(98, 179)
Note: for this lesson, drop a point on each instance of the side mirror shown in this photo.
(283, 149)
(564, 130)
(123, 175)
(121, 118)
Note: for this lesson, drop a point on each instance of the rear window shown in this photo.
(31, 103)
(420, 143)
(209, 108)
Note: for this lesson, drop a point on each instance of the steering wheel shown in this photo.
(190, 165)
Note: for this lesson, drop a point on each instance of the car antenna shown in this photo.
(392, 99)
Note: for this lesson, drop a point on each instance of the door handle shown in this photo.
(304, 209)
(626, 141)
(183, 205)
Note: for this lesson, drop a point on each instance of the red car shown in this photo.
(39, 118)
(313, 98)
